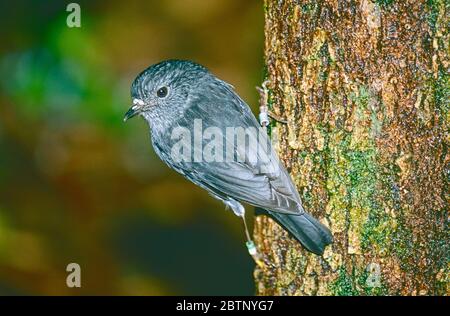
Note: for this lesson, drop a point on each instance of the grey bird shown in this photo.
(173, 96)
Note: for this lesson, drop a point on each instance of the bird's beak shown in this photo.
(136, 109)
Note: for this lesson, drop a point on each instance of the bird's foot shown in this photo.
(277, 118)
(263, 104)
(251, 247)
(264, 112)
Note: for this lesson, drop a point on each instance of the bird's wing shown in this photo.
(255, 175)
(233, 180)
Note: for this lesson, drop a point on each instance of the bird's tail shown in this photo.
(312, 234)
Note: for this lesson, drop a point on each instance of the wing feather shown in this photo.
(262, 182)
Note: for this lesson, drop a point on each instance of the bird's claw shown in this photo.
(263, 104)
(277, 118)
(264, 112)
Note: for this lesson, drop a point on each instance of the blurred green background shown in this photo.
(79, 185)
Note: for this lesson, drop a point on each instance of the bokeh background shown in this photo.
(79, 185)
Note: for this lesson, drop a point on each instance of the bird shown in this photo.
(201, 128)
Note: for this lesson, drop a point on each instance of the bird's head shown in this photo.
(162, 90)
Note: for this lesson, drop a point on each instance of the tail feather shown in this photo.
(312, 234)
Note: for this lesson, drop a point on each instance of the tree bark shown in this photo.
(365, 89)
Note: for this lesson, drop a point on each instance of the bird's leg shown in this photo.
(251, 247)
(263, 104)
(264, 112)
(247, 233)
(239, 210)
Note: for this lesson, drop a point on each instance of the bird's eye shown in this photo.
(162, 92)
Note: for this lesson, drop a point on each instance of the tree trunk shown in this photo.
(365, 89)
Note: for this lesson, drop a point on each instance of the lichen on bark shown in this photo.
(364, 86)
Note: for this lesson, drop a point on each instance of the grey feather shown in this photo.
(244, 181)
(255, 176)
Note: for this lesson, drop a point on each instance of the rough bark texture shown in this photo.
(365, 88)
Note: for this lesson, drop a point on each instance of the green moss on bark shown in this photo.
(365, 89)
